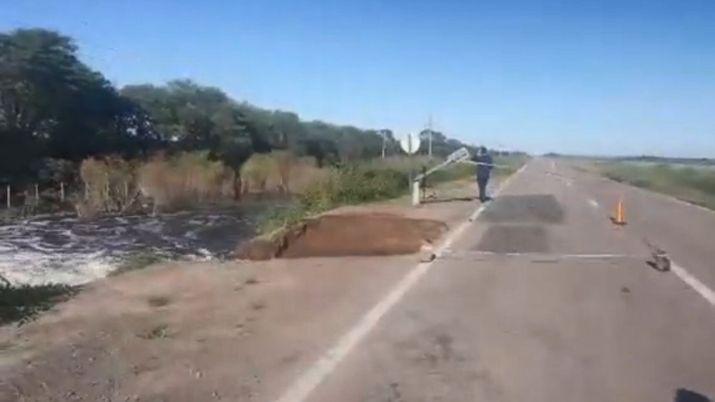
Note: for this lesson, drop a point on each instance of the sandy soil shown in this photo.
(363, 234)
(202, 331)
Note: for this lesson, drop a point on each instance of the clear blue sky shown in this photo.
(597, 77)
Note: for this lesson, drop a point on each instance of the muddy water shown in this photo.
(72, 251)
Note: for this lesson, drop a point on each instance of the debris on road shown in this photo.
(659, 258)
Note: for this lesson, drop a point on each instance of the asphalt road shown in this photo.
(541, 298)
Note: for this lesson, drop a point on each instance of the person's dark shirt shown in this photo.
(483, 171)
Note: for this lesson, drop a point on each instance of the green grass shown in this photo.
(161, 331)
(24, 303)
(509, 164)
(137, 261)
(695, 185)
(158, 301)
(282, 217)
(352, 184)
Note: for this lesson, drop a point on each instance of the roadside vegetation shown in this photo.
(23, 303)
(691, 184)
(372, 180)
(71, 141)
(137, 261)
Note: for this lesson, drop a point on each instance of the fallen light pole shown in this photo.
(460, 155)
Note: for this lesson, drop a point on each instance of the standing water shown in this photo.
(72, 251)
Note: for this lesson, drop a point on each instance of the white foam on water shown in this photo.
(32, 268)
(71, 251)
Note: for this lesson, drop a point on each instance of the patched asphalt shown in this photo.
(514, 239)
(519, 223)
(530, 208)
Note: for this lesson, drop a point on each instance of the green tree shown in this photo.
(194, 117)
(53, 105)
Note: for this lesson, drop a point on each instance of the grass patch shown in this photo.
(158, 301)
(509, 164)
(23, 303)
(161, 331)
(281, 217)
(695, 185)
(352, 184)
(137, 261)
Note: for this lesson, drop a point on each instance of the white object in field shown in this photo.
(460, 155)
(410, 143)
(416, 193)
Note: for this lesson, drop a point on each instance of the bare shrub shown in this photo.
(401, 163)
(185, 179)
(305, 173)
(257, 171)
(280, 171)
(109, 186)
(284, 162)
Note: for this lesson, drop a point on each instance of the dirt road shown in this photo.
(541, 298)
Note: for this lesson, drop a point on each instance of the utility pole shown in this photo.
(384, 142)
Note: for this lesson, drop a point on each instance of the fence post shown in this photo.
(62, 191)
(416, 193)
(9, 200)
(37, 193)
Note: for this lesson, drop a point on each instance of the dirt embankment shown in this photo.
(362, 234)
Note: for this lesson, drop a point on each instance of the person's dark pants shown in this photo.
(482, 183)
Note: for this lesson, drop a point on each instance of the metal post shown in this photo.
(9, 199)
(62, 191)
(37, 194)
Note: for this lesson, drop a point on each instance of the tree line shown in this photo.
(55, 111)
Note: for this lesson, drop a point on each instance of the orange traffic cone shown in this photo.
(620, 217)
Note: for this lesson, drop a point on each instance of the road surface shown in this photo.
(542, 298)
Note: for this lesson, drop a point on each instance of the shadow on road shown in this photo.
(532, 208)
(685, 395)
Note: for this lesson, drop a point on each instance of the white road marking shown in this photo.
(449, 252)
(593, 203)
(311, 378)
(693, 282)
(704, 291)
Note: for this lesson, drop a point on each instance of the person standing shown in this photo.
(484, 169)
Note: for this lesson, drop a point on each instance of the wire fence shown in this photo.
(29, 197)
